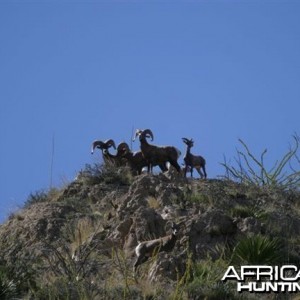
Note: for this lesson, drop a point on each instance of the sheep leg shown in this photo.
(163, 167)
(175, 164)
(199, 171)
(204, 170)
(140, 260)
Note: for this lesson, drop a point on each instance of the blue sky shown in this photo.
(74, 72)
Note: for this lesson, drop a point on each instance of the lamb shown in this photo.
(193, 161)
(147, 249)
(156, 155)
(108, 158)
(135, 160)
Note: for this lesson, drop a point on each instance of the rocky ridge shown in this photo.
(101, 219)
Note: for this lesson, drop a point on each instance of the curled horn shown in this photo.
(97, 144)
(110, 143)
(149, 133)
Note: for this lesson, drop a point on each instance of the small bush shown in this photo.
(153, 202)
(217, 291)
(199, 198)
(8, 289)
(37, 197)
(206, 283)
(258, 250)
(240, 211)
(95, 174)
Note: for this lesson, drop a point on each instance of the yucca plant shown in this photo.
(248, 211)
(258, 250)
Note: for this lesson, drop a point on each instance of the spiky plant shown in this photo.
(257, 250)
(206, 282)
(283, 174)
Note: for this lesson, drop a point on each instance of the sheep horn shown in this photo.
(110, 143)
(149, 133)
(97, 144)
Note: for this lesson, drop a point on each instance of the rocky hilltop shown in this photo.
(78, 242)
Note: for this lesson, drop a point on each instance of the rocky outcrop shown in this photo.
(122, 215)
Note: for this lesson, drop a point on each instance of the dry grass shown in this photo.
(153, 202)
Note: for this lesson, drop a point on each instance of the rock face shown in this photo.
(111, 217)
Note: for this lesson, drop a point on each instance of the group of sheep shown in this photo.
(151, 155)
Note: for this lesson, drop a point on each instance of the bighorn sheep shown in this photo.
(108, 158)
(156, 155)
(193, 161)
(147, 249)
(135, 160)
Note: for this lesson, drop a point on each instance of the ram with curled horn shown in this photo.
(108, 158)
(157, 155)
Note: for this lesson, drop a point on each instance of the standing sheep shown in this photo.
(136, 159)
(156, 155)
(192, 161)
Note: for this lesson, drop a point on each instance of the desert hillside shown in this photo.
(78, 242)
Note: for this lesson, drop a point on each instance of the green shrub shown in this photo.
(206, 282)
(240, 211)
(258, 250)
(37, 197)
(8, 288)
(217, 291)
(94, 174)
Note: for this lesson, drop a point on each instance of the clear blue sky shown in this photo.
(215, 71)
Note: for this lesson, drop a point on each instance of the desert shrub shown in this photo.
(252, 170)
(110, 174)
(119, 292)
(198, 198)
(8, 288)
(248, 211)
(17, 275)
(153, 202)
(62, 288)
(36, 197)
(258, 250)
(214, 291)
(206, 281)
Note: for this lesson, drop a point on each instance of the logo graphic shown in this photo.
(264, 279)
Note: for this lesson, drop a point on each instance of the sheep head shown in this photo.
(188, 142)
(143, 134)
(123, 148)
